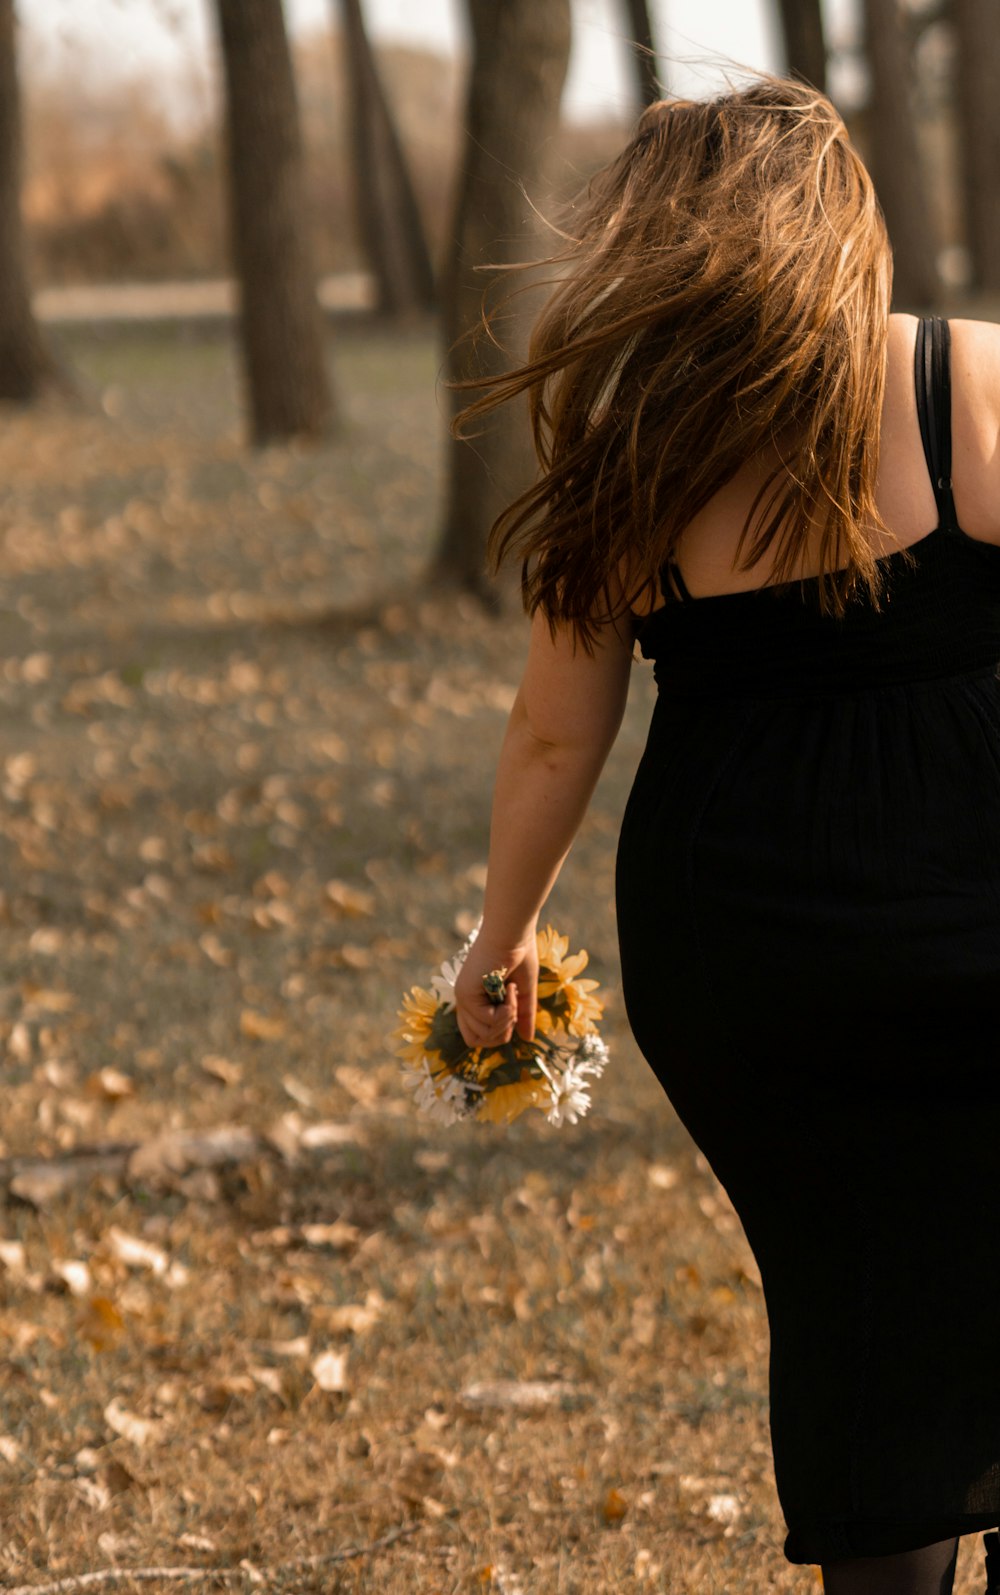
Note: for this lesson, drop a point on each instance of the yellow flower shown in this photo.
(486, 1061)
(552, 950)
(507, 1102)
(584, 1009)
(551, 1029)
(417, 1015)
(559, 979)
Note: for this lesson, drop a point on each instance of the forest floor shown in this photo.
(245, 765)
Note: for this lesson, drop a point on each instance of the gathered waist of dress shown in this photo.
(939, 617)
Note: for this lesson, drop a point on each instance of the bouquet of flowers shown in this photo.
(452, 1081)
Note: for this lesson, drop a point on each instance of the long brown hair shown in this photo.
(723, 292)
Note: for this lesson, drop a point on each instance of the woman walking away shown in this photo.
(791, 500)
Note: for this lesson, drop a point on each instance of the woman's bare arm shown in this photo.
(565, 718)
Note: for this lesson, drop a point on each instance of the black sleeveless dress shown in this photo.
(808, 896)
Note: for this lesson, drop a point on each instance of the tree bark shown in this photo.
(640, 26)
(281, 325)
(895, 157)
(27, 368)
(519, 62)
(804, 40)
(977, 25)
(392, 232)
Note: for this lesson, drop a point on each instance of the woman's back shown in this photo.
(904, 495)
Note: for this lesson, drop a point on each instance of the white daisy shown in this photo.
(445, 1099)
(591, 1056)
(443, 984)
(570, 1094)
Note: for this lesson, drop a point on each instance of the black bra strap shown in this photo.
(932, 373)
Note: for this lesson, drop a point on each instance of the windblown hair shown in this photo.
(723, 294)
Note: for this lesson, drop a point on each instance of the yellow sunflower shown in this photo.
(552, 1030)
(559, 978)
(417, 1016)
(508, 1102)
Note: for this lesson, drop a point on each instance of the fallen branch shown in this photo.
(165, 1157)
(108, 1575)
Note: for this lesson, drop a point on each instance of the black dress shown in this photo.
(809, 917)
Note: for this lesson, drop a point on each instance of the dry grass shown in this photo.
(194, 746)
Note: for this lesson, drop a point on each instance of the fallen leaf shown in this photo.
(350, 900)
(110, 1084)
(136, 1253)
(222, 1069)
(138, 1431)
(614, 1507)
(101, 1323)
(74, 1273)
(723, 1508)
(261, 1027)
(329, 1370)
(338, 1234)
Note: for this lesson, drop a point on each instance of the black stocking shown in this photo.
(929, 1571)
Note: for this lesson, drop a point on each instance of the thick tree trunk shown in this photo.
(520, 57)
(895, 157)
(977, 24)
(390, 224)
(26, 367)
(281, 325)
(804, 40)
(640, 30)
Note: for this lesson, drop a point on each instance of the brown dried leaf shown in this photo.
(222, 1069)
(329, 1369)
(614, 1506)
(261, 1027)
(137, 1430)
(110, 1084)
(350, 900)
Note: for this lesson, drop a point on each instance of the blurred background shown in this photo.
(261, 1323)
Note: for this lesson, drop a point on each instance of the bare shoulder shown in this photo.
(975, 423)
(975, 364)
(975, 419)
(975, 355)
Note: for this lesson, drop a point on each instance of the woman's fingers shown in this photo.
(484, 1024)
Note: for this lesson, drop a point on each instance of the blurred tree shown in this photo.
(640, 28)
(895, 156)
(977, 25)
(804, 40)
(520, 53)
(26, 366)
(392, 232)
(282, 327)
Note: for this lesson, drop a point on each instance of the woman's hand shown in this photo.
(483, 1023)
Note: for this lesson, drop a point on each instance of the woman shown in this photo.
(746, 466)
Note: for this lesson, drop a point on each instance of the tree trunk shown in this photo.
(640, 29)
(804, 41)
(26, 367)
(392, 232)
(977, 24)
(519, 62)
(281, 325)
(895, 157)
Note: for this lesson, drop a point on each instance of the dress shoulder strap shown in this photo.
(672, 584)
(932, 375)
